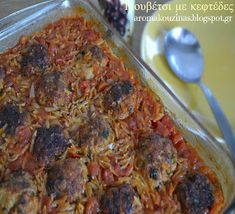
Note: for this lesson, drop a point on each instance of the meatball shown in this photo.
(35, 59)
(49, 144)
(67, 178)
(122, 199)
(117, 93)
(96, 131)
(10, 118)
(120, 99)
(195, 194)
(18, 194)
(156, 158)
(51, 90)
(97, 52)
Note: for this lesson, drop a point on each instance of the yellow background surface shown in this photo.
(218, 45)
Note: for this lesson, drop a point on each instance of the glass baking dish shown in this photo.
(34, 18)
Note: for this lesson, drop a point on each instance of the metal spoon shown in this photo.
(184, 55)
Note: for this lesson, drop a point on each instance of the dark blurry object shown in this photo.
(116, 14)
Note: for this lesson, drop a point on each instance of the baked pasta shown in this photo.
(79, 133)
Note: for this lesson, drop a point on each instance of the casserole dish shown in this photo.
(36, 17)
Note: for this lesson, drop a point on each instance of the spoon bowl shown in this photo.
(184, 54)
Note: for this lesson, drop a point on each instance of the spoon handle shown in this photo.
(221, 119)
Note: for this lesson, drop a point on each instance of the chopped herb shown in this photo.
(105, 133)
(153, 173)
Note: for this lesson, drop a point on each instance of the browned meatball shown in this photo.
(96, 131)
(10, 118)
(120, 99)
(117, 93)
(35, 59)
(49, 144)
(18, 194)
(195, 194)
(156, 158)
(67, 178)
(122, 199)
(51, 90)
(97, 52)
